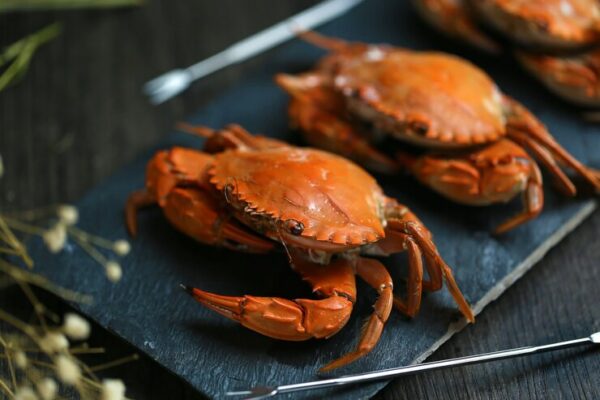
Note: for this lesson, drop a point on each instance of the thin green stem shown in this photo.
(22, 52)
(9, 238)
(88, 237)
(6, 389)
(114, 363)
(38, 307)
(18, 274)
(20, 325)
(23, 226)
(91, 250)
(11, 368)
(35, 213)
(6, 250)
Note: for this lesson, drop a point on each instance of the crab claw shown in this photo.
(279, 318)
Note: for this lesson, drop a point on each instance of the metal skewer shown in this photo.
(176, 81)
(262, 392)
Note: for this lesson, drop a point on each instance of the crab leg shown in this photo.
(136, 200)
(493, 174)
(453, 176)
(533, 201)
(521, 120)
(396, 242)
(325, 42)
(294, 320)
(376, 276)
(563, 182)
(233, 136)
(216, 141)
(427, 246)
(406, 232)
(403, 221)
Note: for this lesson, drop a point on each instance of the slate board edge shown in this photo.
(515, 275)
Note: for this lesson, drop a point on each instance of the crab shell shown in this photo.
(574, 78)
(307, 198)
(551, 24)
(428, 98)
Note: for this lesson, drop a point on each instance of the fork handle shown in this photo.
(413, 369)
(271, 37)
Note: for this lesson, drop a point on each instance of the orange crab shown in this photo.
(249, 193)
(547, 24)
(556, 25)
(436, 101)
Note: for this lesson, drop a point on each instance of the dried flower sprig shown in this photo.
(55, 237)
(15, 59)
(19, 5)
(41, 360)
(39, 356)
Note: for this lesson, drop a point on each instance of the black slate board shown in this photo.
(214, 355)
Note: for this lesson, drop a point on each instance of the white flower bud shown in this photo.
(68, 214)
(113, 389)
(76, 327)
(67, 370)
(25, 393)
(53, 342)
(47, 388)
(55, 238)
(20, 359)
(113, 271)
(121, 247)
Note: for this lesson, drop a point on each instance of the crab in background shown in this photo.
(556, 37)
(543, 24)
(472, 134)
(254, 194)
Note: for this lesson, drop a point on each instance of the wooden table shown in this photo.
(78, 116)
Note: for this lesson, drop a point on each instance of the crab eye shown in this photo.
(419, 127)
(294, 227)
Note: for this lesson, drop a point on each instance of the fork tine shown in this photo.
(167, 85)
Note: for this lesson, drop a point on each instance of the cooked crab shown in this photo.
(555, 25)
(575, 78)
(454, 18)
(432, 100)
(250, 193)
(547, 24)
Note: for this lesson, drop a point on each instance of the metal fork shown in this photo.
(176, 81)
(262, 392)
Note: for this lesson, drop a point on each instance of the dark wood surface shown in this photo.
(78, 116)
